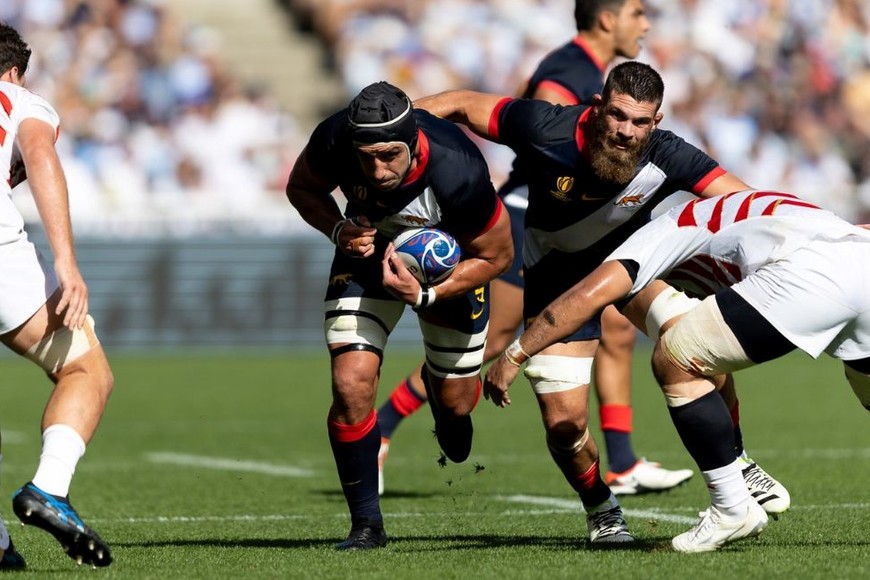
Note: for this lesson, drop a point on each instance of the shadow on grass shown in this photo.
(416, 544)
(390, 494)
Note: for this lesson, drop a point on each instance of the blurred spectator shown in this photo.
(154, 130)
(776, 90)
(158, 136)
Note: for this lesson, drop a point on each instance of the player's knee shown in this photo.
(92, 368)
(555, 374)
(662, 367)
(566, 439)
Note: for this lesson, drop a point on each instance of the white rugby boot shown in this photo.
(715, 529)
(768, 492)
(645, 476)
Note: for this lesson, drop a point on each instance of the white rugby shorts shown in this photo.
(817, 297)
(26, 283)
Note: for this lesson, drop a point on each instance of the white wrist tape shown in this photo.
(515, 354)
(425, 298)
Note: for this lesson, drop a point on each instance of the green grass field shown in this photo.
(219, 466)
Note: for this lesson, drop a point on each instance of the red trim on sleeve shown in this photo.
(707, 180)
(494, 219)
(492, 126)
(578, 40)
(344, 433)
(422, 159)
(566, 95)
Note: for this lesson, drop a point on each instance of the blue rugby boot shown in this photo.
(56, 516)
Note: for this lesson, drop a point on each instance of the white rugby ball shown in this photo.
(429, 254)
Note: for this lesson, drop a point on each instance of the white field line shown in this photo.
(227, 464)
(574, 505)
(564, 508)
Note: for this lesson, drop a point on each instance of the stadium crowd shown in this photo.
(777, 91)
(158, 136)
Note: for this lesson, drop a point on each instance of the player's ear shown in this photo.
(597, 99)
(607, 20)
(658, 118)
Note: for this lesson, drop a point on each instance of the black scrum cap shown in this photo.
(382, 113)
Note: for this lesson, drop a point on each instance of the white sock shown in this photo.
(62, 447)
(4, 535)
(727, 488)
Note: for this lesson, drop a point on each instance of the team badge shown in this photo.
(629, 200)
(563, 186)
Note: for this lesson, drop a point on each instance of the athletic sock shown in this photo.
(591, 488)
(355, 449)
(727, 489)
(705, 428)
(62, 447)
(616, 426)
(403, 401)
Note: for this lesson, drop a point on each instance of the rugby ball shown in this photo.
(429, 253)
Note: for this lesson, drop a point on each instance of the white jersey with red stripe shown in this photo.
(708, 244)
(16, 105)
(801, 267)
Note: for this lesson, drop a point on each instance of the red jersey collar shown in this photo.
(579, 41)
(422, 159)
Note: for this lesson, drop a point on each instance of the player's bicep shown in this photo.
(36, 138)
(494, 243)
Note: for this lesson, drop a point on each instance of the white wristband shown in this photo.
(425, 298)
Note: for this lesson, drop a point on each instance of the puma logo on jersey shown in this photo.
(629, 200)
(416, 220)
(340, 279)
(563, 186)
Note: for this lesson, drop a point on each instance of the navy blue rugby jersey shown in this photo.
(571, 210)
(450, 188)
(574, 72)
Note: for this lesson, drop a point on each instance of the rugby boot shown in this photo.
(364, 535)
(607, 525)
(56, 516)
(12, 559)
(645, 477)
(715, 529)
(768, 492)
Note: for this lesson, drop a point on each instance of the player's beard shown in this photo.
(610, 164)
